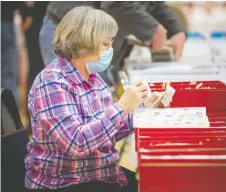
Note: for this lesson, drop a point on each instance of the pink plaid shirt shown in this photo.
(75, 126)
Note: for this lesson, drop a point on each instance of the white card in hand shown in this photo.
(149, 90)
(170, 91)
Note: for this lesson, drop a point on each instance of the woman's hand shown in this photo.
(133, 96)
(154, 101)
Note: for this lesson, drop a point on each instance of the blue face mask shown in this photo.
(102, 64)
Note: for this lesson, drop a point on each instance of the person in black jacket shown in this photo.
(32, 41)
(151, 22)
(9, 60)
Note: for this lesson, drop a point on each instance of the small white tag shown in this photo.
(167, 98)
(149, 90)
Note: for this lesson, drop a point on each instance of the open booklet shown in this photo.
(191, 117)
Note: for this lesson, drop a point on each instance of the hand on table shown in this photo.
(159, 39)
(177, 43)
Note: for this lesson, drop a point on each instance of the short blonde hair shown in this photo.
(83, 29)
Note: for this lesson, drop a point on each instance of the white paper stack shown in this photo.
(194, 117)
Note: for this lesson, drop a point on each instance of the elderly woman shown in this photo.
(75, 124)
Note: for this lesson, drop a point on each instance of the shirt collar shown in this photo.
(72, 72)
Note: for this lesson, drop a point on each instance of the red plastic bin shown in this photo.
(186, 159)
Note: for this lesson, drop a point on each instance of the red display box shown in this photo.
(212, 94)
(186, 159)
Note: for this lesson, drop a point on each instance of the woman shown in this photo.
(75, 125)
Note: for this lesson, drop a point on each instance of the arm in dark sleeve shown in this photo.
(8, 8)
(25, 11)
(132, 18)
(168, 19)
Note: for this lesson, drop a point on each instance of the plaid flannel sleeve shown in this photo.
(56, 111)
(128, 128)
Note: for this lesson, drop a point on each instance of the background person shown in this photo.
(9, 56)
